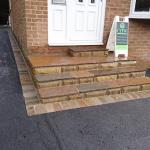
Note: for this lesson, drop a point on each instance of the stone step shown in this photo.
(46, 64)
(27, 87)
(22, 68)
(30, 94)
(102, 88)
(25, 79)
(40, 108)
(84, 52)
(79, 77)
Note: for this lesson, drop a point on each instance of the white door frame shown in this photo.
(80, 43)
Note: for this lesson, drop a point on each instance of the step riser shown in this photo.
(120, 90)
(59, 83)
(61, 69)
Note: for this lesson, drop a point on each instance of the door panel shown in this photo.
(58, 20)
(85, 26)
(79, 21)
(57, 23)
(91, 23)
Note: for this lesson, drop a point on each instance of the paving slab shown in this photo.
(52, 77)
(57, 92)
(82, 49)
(113, 71)
(81, 74)
(38, 61)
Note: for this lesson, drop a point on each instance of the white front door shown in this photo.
(75, 22)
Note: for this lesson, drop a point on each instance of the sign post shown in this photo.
(118, 38)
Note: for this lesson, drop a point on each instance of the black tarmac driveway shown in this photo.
(120, 126)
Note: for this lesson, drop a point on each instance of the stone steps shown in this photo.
(84, 52)
(80, 77)
(50, 65)
(84, 81)
(110, 87)
(76, 78)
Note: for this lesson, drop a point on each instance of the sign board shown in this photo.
(62, 2)
(118, 38)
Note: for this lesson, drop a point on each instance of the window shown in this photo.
(140, 9)
(92, 1)
(142, 6)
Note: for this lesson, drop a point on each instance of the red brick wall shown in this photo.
(18, 22)
(139, 38)
(36, 26)
(29, 21)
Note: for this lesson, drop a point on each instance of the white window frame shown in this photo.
(137, 15)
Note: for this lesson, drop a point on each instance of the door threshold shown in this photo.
(74, 44)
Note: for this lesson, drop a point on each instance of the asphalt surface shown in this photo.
(120, 126)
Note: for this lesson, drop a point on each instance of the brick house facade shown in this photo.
(29, 21)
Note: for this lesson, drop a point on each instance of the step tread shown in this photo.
(76, 49)
(38, 61)
(103, 85)
(59, 91)
(117, 70)
(52, 77)
(82, 88)
(87, 74)
(63, 76)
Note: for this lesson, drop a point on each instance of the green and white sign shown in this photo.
(118, 38)
(121, 47)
